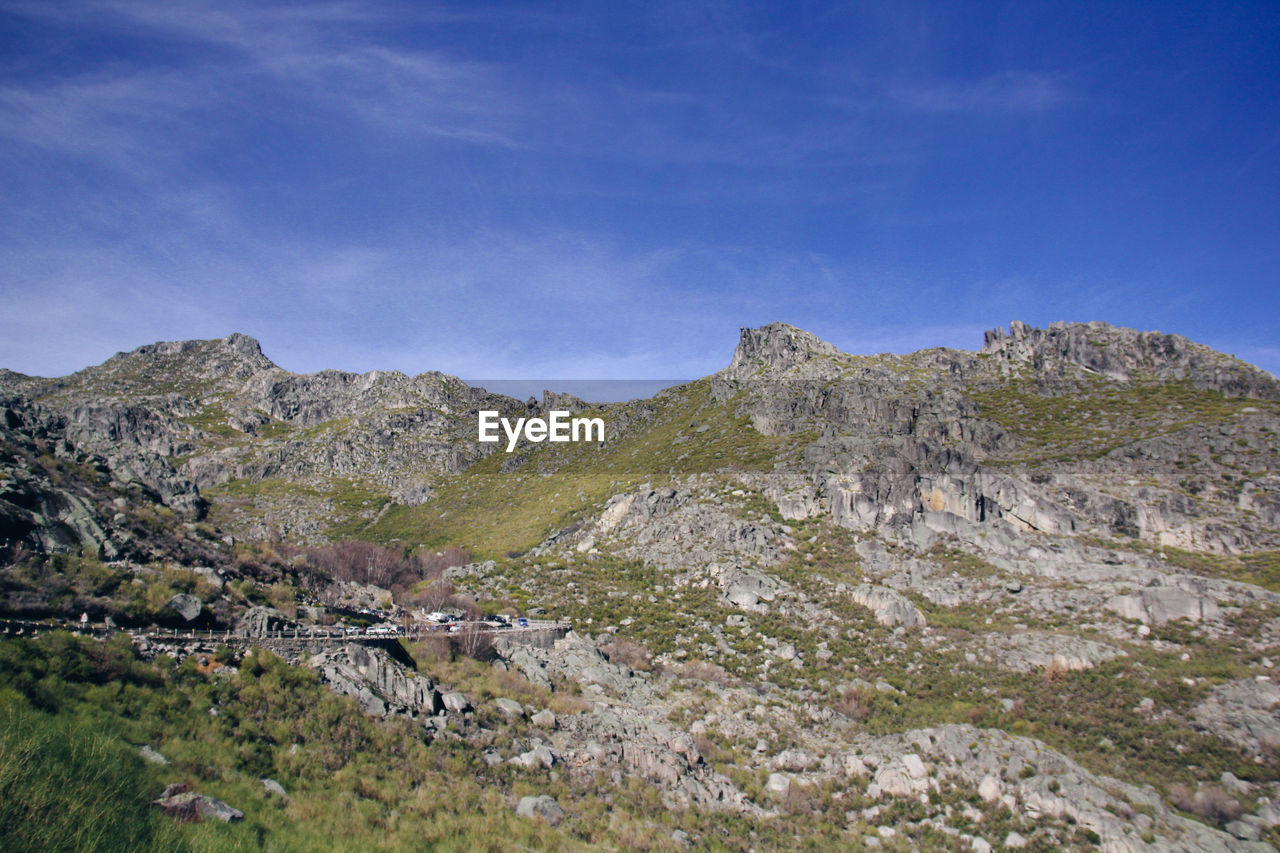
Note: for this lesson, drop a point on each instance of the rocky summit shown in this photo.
(1023, 597)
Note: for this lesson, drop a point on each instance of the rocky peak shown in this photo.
(1124, 354)
(244, 345)
(774, 349)
(176, 366)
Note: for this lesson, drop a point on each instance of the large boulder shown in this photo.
(186, 607)
(891, 608)
(542, 806)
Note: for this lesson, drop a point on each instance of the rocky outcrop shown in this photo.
(1123, 354)
(624, 733)
(379, 685)
(1030, 779)
(676, 529)
(1157, 605)
(891, 608)
(61, 485)
(779, 347)
(1246, 712)
(1031, 650)
(260, 622)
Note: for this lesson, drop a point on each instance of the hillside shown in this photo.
(1023, 595)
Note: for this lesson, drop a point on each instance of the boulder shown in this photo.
(509, 708)
(177, 801)
(188, 607)
(274, 787)
(541, 807)
(891, 607)
(458, 703)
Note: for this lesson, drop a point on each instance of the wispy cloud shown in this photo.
(122, 118)
(1007, 92)
(497, 305)
(329, 58)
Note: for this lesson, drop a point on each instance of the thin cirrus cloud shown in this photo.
(245, 58)
(1010, 92)
(500, 190)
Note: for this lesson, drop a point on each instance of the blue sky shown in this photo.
(610, 190)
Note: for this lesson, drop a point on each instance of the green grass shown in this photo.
(66, 785)
(70, 710)
(1095, 415)
(213, 419)
(1261, 568)
(492, 513)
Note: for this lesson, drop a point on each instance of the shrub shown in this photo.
(855, 703)
(1209, 802)
(628, 652)
(701, 670)
(367, 563)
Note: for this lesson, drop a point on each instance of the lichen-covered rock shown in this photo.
(380, 686)
(178, 802)
(891, 608)
(185, 606)
(541, 806)
(1246, 712)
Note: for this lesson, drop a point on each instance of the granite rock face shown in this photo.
(380, 686)
(893, 447)
(1246, 712)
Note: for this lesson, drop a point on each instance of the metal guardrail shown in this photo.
(22, 627)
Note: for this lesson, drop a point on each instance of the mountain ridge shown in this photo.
(857, 579)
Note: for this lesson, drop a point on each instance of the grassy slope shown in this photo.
(1099, 415)
(492, 513)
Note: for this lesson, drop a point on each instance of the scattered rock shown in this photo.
(274, 787)
(178, 802)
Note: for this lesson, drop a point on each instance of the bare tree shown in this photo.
(474, 641)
